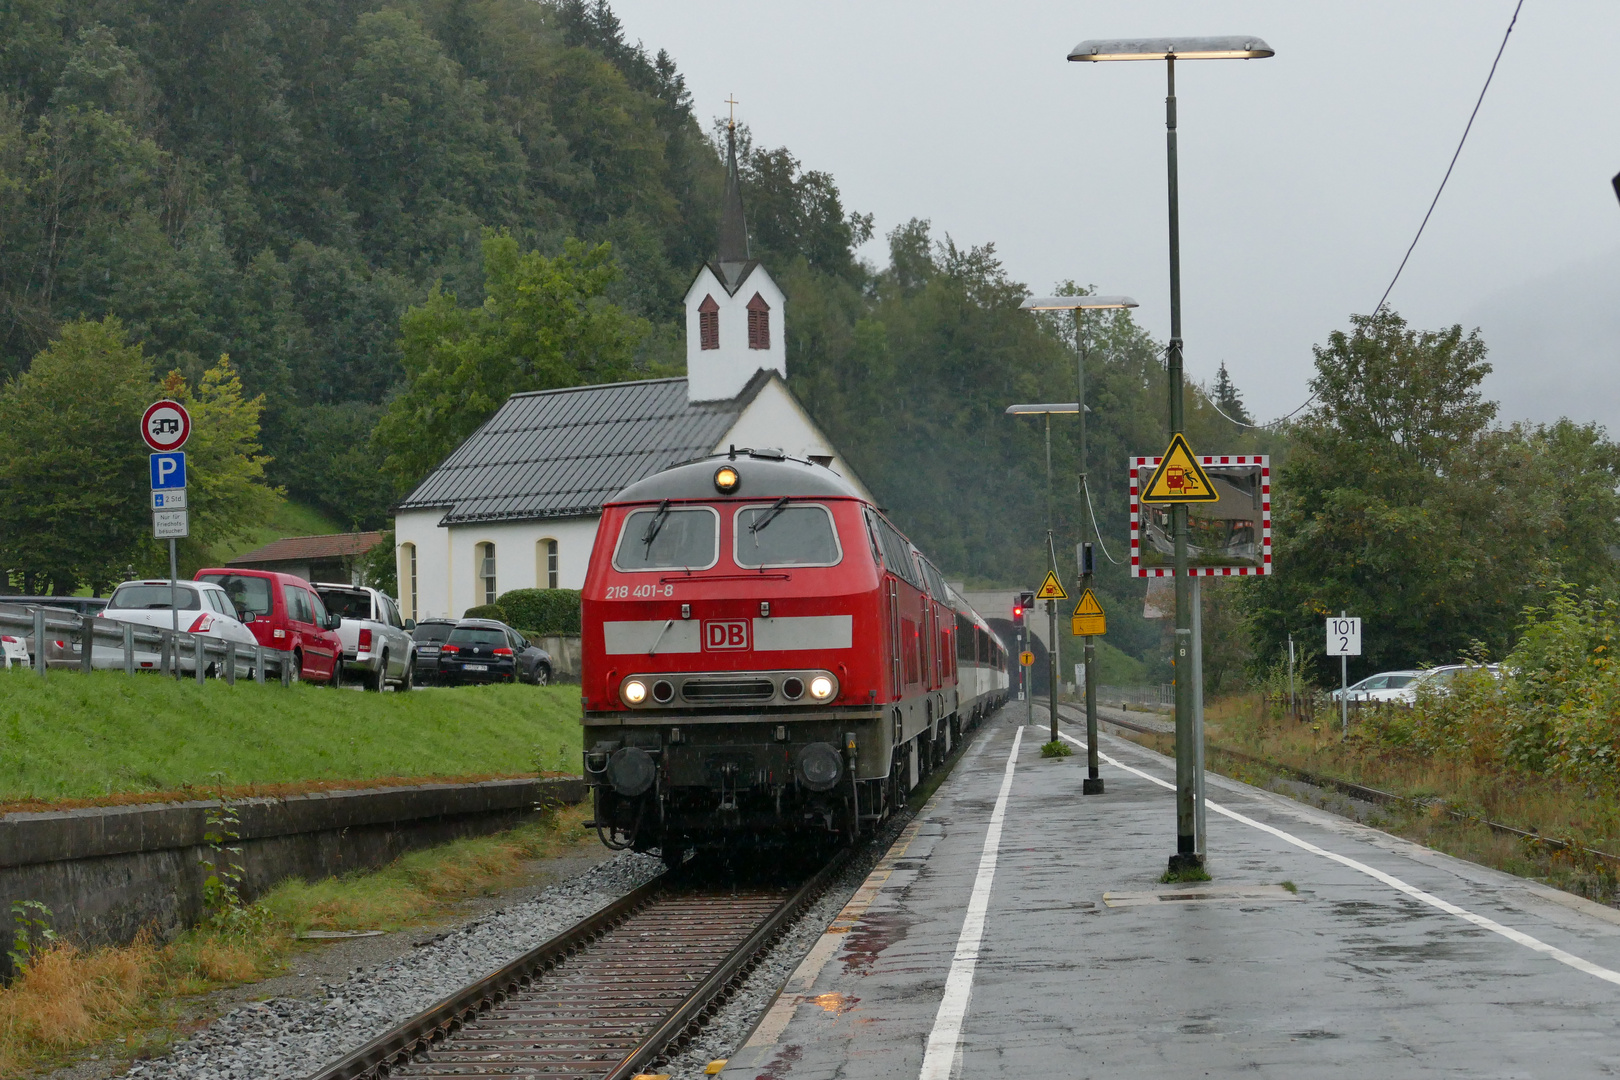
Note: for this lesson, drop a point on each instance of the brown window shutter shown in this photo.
(709, 324)
(759, 323)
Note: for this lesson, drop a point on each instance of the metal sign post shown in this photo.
(1293, 708)
(1198, 711)
(1092, 784)
(165, 427)
(1344, 641)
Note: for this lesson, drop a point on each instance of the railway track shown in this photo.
(605, 999)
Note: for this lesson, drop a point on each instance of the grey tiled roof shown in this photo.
(561, 453)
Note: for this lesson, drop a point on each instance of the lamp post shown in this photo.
(1170, 50)
(1051, 605)
(1093, 784)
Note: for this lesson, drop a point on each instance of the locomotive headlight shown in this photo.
(823, 687)
(726, 479)
(634, 692)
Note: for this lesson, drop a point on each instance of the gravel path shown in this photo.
(287, 1039)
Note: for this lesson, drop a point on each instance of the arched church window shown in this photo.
(709, 323)
(759, 323)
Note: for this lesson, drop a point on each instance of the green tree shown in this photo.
(1400, 502)
(73, 471)
(544, 323)
(1226, 396)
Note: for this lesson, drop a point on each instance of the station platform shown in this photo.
(1018, 929)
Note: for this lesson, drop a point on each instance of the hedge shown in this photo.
(487, 611)
(543, 611)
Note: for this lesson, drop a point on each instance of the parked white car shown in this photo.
(204, 608)
(1385, 686)
(377, 645)
(1439, 679)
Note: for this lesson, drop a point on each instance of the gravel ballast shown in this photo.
(288, 1039)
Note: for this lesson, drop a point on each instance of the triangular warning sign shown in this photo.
(1088, 619)
(1051, 588)
(1179, 478)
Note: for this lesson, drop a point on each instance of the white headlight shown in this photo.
(635, 692)
(821, 687)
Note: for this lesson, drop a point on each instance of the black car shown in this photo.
(484, 650)
(429, 635)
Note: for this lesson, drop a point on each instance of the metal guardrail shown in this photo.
(226, 659)
(1160, 694)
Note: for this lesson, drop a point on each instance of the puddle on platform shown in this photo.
(1199, 894)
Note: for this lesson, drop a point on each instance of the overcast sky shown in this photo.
(1303, 176)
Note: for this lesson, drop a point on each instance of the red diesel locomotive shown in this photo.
(764, 656)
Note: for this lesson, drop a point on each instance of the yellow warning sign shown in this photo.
(1051, 588)
(1088, 619)
(1179, 478)
(1026, 658)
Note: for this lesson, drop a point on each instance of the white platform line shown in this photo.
(1517, 936)
(947, 1032)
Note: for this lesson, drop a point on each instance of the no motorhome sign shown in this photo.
(166, 426)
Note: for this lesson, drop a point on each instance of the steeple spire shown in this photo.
(733, 228)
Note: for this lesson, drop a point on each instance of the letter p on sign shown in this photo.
(168, 471)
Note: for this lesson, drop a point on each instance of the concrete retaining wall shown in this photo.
(108, 871)
(564, 650)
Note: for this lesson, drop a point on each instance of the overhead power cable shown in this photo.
(1436, 200)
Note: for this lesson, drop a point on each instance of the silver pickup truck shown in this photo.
(377, 645)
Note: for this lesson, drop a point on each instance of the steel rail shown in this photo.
(400, 1044)
(698, 1006)
(1375, 795)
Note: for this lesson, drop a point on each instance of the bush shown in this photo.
(543, 611)
(487, 611)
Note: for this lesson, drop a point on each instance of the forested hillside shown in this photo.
(280, 180)
(391, 215)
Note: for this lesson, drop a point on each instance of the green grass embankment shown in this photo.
(76, 737)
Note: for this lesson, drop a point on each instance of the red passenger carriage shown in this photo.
(766, 655)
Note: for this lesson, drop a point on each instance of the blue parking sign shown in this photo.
(169, 470)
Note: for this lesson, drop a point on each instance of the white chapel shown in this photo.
(516, 506)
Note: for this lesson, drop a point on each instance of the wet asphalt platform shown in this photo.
(1037, 942)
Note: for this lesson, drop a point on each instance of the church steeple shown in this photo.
(734, 311)
(733, 228)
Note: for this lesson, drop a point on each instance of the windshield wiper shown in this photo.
(656, 524)
(768, 516)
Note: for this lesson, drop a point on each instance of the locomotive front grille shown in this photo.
(721, 690)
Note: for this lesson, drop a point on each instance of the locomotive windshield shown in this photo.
(782, 534)
(669, 538)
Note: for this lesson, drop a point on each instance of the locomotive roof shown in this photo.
(764, 474)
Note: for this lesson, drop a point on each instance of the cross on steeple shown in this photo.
(732, 101)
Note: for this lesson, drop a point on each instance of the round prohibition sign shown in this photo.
(165, 426)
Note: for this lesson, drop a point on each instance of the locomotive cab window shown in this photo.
(786, 534)
(669, 538)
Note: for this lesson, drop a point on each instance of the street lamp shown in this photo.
(1046, 410)
(1093, 784)
(1169, 50)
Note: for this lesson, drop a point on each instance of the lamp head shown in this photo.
(1081, 303)
(1181, 48)
(1037, 410)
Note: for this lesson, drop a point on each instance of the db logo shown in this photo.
(725, 634)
